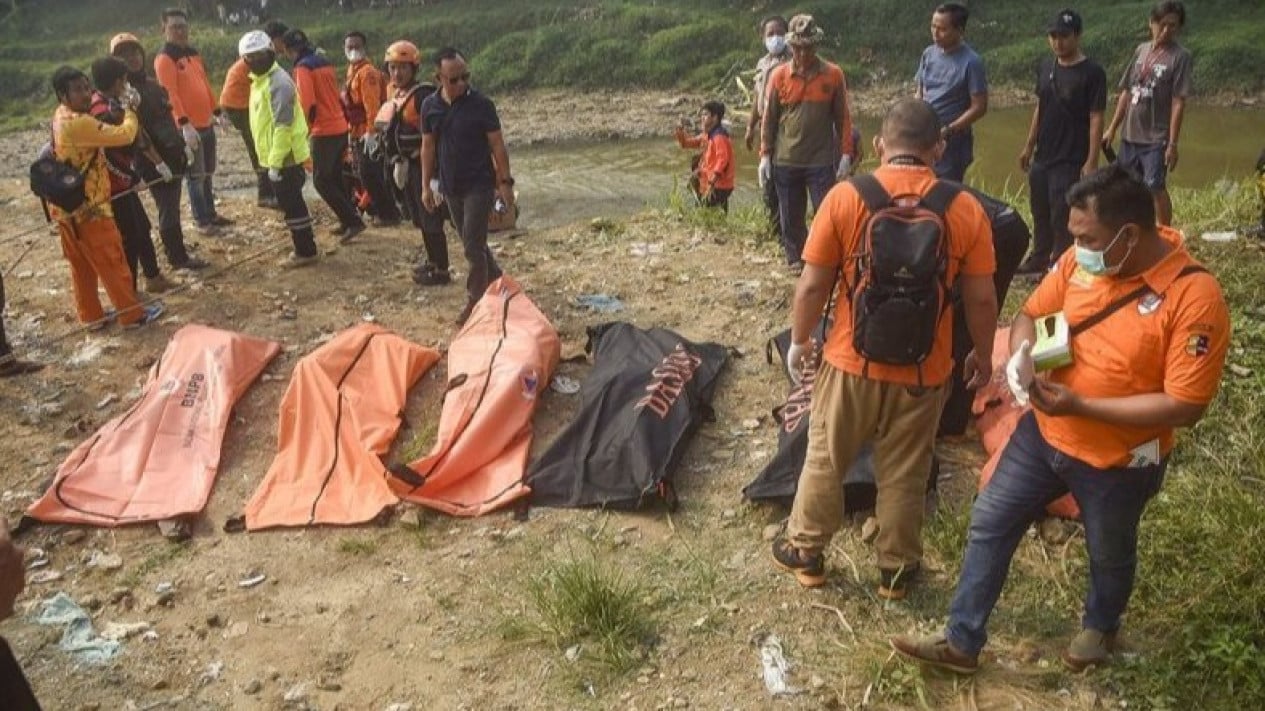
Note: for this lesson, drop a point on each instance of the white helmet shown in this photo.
(253, 41)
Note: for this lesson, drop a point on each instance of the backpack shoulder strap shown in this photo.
(941, 196)
(1125, 300)
(872, 192)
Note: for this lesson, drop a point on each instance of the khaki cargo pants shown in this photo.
(847, 412)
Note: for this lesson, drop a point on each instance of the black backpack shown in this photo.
(59, 182)
(398, 140)
(899, 290)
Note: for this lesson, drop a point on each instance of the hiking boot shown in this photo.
(1088, 649)
(158, 284)
(934, 651)
(350, 232)
(809, 568)
(1033, 265)
(427, 274)
(11, 365)
(192, 264)
(149, 315)
(209, 230)
(221, 221)
(295, 261)
(381, 222)
(894, 584)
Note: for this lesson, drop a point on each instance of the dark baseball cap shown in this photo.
(1066, 21)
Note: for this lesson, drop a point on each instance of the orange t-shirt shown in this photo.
(836, 237)
(182, 74)
(236, 91)
(1171, 341)
(318, 95)
(366, 88)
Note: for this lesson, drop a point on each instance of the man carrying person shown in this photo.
(323, 108)
(858, 399)
(235, 102)
(715, 172)
(1150, 334)
(463, 148)
(1152, 103)
(156, 120)
(806, 134)
(90, 239)
(109, 76)
(362, 97)
(400, 141)
(1064, 138)
(280, 132)
(951, 78)
(179, 69)
(772, 33)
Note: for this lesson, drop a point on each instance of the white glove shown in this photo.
(274, 175)
(190, 136)
(223, 122)
(434, 188)
(371, 142)
(797, 356)
(131, 97)
(163, 172)
(189, 155)
(1020, 372)
(400, 173)
(845, 168)
(765, 172)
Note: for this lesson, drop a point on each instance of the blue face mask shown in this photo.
(1095, 261)
(776, 44)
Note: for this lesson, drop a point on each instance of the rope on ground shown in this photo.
(102, 322)
(838, 613)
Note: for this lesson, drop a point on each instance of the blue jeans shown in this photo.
(959, 153)
(201, 197)
(791, 184)
(1029, 476)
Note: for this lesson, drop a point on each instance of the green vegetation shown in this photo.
(696, 44)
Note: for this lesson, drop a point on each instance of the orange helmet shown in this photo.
(123, 38)
(404, 51)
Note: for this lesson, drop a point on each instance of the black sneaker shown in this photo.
(192, 264)
(427, 274)
(894, 584)
(221, 221)
(1033, 265)
(809, 568)
(350, 232)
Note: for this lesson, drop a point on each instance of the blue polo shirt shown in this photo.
(948, 80)
(462, 128)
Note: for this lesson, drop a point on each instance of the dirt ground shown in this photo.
(388, 616)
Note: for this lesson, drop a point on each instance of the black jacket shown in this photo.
(155, 117)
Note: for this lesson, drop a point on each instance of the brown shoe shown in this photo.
(809, 569)
(1090, 648)
(934, 651)
(894, 584)
(158, 284)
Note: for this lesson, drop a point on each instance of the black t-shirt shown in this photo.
(1066, 96)
(464, 154)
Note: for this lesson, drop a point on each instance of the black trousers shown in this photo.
(430, 223)
(134, 226)
(240, 119)
(470, 215)
(5, 348)
(1010, 243)
(15, 692)
(327, 176)
(373, 177)
(718, 198)
(1047, 188)
(167, 199)
(771, 205)
(289, 192)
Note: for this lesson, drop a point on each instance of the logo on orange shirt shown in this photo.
(1197, 345)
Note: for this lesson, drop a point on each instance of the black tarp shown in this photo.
(647, 393)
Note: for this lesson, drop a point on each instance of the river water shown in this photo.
(563, 183)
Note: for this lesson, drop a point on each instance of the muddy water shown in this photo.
(576, 181)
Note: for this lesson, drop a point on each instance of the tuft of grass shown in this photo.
(357, 546)
(582, 601)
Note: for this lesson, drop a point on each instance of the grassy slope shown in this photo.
(668, 43)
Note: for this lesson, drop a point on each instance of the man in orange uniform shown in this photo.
(858, 400)
(235, 102)
(362, 98)
(179, 69)
(716, 165)
(1150, 334)
(322, 105)
(90, 240)
(806, 135)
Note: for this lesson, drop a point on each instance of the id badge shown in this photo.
(1053, 348)
(1146, 454)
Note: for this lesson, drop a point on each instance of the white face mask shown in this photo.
(355, 55)
(776, 44)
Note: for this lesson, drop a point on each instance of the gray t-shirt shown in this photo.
(763, 68)
(1153, 78)
(949, 80)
